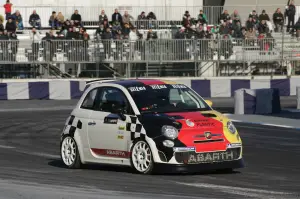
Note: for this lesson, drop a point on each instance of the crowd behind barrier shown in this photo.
(237, 43)
(91, 15)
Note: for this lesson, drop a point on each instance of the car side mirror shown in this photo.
(119, 110)
(210, 103)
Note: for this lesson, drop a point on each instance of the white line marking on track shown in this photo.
(260, 193)
(7, 147)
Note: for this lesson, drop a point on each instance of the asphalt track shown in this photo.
(30, 166)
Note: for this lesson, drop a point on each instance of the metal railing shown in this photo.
(204, 57)
(166, 13)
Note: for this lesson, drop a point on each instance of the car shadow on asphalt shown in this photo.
(125, 169)
(101, 167)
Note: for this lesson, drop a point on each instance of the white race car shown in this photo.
(148, 124)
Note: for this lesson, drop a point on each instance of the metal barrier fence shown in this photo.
(208, 57)
(167, 13)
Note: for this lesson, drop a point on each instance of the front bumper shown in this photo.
(193, 168)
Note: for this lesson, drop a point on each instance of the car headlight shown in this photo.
(170, 132)
(231, 127)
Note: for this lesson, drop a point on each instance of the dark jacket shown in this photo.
(106, 36)
(10, 27)
(103, 18)
(291, 11)
(76, 17)
(34, 17)
(263, 28)
(254, 17)
(250, 24)
(264, 17)
(114, 17)
(278, 18)
(225, 17)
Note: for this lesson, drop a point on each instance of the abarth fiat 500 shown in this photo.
(148, 124)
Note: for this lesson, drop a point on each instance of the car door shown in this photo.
(107, 131)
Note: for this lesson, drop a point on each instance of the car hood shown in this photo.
(193, 128)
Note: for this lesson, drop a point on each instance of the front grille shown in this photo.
(206, 141)
(191, 157)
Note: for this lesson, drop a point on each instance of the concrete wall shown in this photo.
(71, 89)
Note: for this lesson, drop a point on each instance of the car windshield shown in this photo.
(167, 98)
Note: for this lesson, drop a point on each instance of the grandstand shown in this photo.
(164, 56)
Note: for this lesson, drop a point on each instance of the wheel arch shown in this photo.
(151, 144)
(77, 138)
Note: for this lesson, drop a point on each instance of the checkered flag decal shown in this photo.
(135, 127)
(71, 125)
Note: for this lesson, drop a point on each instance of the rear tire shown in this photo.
(141, 157)
(69, 153)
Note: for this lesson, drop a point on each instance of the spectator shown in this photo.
(100, 31)
(202, 16)
(126, 30)
(105, 25)
(237, 30)
(278, 20)
(7, 8)
(186, 20)
(60, 20)
(53, 20)
(151, 35)
(224, 29)
(1, 18)
(116, 17)
(126, 18)
(250, 34)
(226, 49)
(235, 17)
(116, 28)
(263, 27)
(225, 16)
(180, 34)
(250, 23)
(72, 33)
(142, 16)
(151, 16)
(263, 16)
(254, 16)
(76, 17)
(141, 24)
(10, 25)
(1, 26)
(106, 37)
(35, 20)
(36, 38)
(102, 17)
(215, 29)
(18, 20)
(290, 13)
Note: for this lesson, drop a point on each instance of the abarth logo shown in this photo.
(208, 135)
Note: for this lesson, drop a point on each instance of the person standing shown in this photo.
(7, 8)
(290, 13)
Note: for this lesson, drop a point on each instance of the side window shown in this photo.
(88, 102)
(110, 97)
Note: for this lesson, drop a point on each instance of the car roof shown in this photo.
(133, 82)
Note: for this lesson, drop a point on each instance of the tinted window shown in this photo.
(88, 102)
(167, 98)
(110, 97)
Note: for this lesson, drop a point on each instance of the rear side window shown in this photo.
(89, 101)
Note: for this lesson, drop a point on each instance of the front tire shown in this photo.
(69, 153)
(141, 157)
